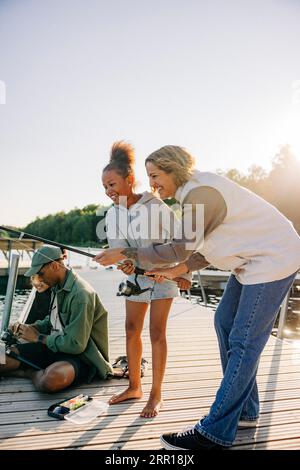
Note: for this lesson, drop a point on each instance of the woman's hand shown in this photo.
(109, 256)
(164, 273)
(169, 273)
(183, 284)
(127, 267)
(157, 278)
(28, 332)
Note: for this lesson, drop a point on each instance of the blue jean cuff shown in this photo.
(249, 418)
(214, 439)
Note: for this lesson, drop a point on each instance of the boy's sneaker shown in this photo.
(188, 440)
(247, 423)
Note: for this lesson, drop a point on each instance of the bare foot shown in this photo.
(152, 408)
(128, 394)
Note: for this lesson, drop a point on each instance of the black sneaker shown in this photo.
(189, 439)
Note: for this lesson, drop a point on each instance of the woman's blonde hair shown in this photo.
(175, 160)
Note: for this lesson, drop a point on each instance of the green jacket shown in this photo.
(85, 325)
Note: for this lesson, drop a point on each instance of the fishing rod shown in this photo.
(48, 242)
(138, 271)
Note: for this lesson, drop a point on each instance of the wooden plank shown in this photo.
(26, 244)
(176, 410)
(176, 400)
(118, 438)
(184, 382)
(118, 422)
(199, 372)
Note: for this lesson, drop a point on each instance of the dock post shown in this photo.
(9, 254)
(282, 315)
(88, 259)
(202, 289)
(11, 286)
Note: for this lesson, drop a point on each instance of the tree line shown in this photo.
(76, 227)
(280, 186)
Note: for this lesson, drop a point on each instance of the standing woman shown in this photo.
(124, 220)
(242, 233)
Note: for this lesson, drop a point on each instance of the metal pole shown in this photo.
(9, 255)
(88, 259)
(11, 286)
(283, 315)
(202, 289)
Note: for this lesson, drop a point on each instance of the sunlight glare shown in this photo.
(292, 132)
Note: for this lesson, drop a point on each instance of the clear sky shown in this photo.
(220, 78)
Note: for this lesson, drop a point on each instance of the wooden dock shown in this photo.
(22, 281)
(23, 267)
(21, 246)
(192, 378)
(7, 245)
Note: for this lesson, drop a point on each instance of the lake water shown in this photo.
(20, 299)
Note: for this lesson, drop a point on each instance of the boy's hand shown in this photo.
(28, 332)
(15, 327)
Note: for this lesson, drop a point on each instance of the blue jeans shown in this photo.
(244, 320)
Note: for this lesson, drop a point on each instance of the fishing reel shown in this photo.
(128, 288)
(8, 338)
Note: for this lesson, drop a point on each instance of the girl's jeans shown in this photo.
(244, 320)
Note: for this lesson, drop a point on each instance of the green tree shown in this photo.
(77, 227)
(280, 186)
